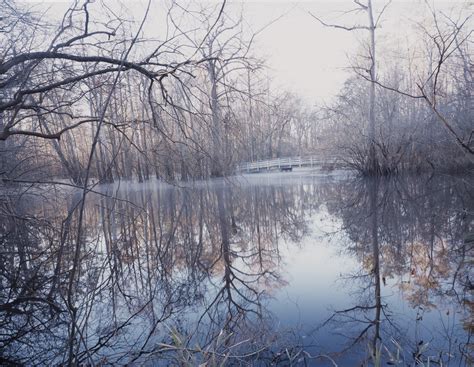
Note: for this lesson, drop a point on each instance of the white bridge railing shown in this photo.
(285, 163)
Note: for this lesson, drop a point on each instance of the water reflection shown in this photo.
(184, 276)
(409, 239)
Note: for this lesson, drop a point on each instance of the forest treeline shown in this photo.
(92, 96)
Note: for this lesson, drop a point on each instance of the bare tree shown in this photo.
(446, 38)
(372, 24)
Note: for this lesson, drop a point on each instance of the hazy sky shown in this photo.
(312, 59)
(302, 55)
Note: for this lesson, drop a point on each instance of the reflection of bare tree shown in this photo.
(185, 274)
(150, 260)
(365, 318)
(408, 234)
(26, 311)
(376, 262)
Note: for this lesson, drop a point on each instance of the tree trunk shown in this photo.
(216, 169)
(372, 159)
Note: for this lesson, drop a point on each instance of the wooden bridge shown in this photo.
(288, 163)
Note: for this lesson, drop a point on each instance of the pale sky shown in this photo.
(302, 55)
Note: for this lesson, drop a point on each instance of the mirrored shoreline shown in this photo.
(276, 269)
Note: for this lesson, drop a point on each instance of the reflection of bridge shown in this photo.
(288, 163)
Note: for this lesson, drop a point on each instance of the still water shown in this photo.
(274, 269)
